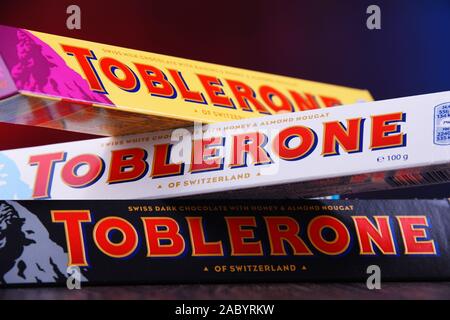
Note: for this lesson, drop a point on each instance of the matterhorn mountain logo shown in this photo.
(27, 254)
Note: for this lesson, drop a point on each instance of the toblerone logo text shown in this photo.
(374, 236)
(170, 84)
(253, 148)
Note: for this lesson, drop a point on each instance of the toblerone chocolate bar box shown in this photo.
(387, 144)
(181, 241)
(77, 85)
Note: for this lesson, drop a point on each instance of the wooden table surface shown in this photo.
(392, 290)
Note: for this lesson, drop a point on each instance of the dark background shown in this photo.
(325, 41)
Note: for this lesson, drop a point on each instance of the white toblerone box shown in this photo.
(378, 145)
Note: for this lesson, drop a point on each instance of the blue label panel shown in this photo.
(442, 124)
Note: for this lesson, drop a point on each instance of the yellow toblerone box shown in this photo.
(104, 89)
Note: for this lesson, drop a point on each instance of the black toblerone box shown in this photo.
(187, 241)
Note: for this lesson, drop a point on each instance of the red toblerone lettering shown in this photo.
(246, 97)
(44, 174)
(335, 244)
(187, 94)
(127, 165)
(84, 58)
(307, 144)
(161, 162)
(247, 236)
(240, 233)
(208, 154)
(265, 99)
(308, 102)
(213, 87)
(198, 240)
(125, 247)
(72, 220)
(205, 155)
(289, 234)
(156, 81)
(415, 236)
(330, 101)
(95, 167)
(349, 137)
(128, 82)
(249, 144)
(386, 131)
(369, 234)
(158, 229)
(276, 100)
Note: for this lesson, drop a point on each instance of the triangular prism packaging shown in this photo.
(77, 85)
(386, 144)
(185, 241)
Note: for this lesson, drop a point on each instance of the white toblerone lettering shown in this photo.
(350, 141)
